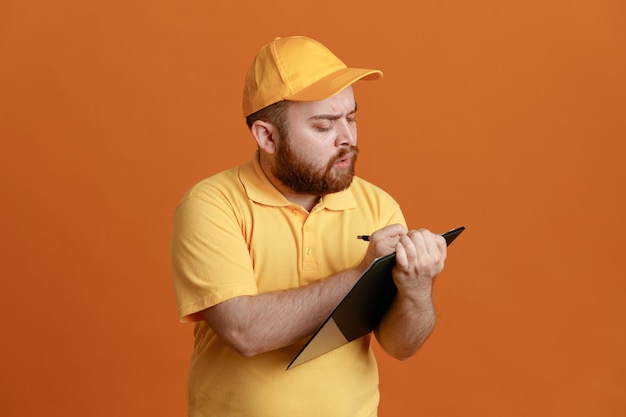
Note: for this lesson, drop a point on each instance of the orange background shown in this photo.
(507, 117)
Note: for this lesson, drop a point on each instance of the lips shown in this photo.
(344, 161)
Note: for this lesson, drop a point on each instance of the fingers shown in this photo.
(389, 232)
(401, 256)
(421, 251)
(432, 244)
(384, 240)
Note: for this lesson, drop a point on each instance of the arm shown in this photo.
(420, 257)
(261, 323)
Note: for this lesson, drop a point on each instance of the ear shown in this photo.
(265, 135)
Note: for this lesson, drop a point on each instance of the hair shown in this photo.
(276, 114)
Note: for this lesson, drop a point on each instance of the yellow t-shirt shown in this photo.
(234, 234)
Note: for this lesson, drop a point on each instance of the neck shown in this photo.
(305, 200)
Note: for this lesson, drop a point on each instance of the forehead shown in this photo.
(341, 103)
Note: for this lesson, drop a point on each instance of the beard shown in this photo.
(298, 174)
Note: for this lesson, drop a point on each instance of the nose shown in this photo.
(346, 133)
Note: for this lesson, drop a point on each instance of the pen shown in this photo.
(450, 235)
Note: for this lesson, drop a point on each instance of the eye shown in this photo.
(323, 128)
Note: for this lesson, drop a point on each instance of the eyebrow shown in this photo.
(332, 116)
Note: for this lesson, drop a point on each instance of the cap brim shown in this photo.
(334, 83)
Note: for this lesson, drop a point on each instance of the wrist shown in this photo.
(421, 296)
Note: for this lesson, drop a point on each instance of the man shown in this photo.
(263, 252)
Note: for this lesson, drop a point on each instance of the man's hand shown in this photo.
(420, 257)
(382, 242)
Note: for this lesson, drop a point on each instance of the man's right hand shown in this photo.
(382, 242)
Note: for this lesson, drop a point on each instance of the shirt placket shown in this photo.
(309, 249)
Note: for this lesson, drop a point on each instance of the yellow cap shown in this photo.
(297, 68)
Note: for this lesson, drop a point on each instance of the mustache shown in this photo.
(343, 152)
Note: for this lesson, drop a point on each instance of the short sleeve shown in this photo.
(209, 256)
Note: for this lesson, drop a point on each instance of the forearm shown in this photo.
(265, 322)
(420, 257)
(406, 326)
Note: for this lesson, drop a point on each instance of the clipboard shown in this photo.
(361, 309)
